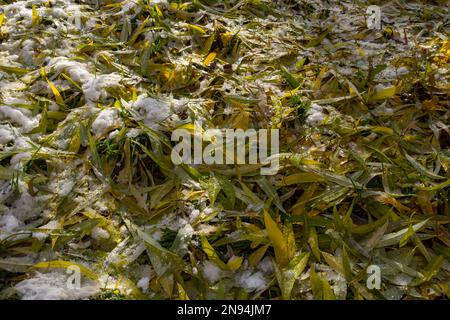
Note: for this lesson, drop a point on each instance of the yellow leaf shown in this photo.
(212, 254)
(182, 295)
(234, 263)
(383, 130)
(34, 16)
(2, 17)
(328, 293)
(303, 177)
(384, 93)
(74, 144)
(190, 127)
(314, 243)
(209, 58)
(160, 15)
(256, 256)
(66, 264)
(56, 93)
(333, 262)
(208, 44)
(360, 51)
(134, 93)
(299, 207)
(43, 73)
(240, 120)
(276, 237)
(167, 284)
(318, 81)
(138, 31)
(196, 28)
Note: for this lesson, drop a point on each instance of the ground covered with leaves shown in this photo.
(90, 92)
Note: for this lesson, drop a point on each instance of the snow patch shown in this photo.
(5, 135)
(94, 87)
(99, 233)
(143, 283)
(315, 115)
(9, 223)
(211, 272)
(252, 281)
(20, 117)
(54, 286)
(152, 111)
(17, 159)
(106, 119)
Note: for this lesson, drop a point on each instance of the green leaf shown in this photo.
(405, 238)
(319, 39)
(422, 169)
(287, 276)
(290, 79)
(430, 271)
(395, 237)
(314, 243)
(163, 261)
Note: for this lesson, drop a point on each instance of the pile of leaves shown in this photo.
(90, 92)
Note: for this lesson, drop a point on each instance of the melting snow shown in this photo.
(153, 111)
(211, 272)
(315, 115)
(252, 281)
(106, 119)
(20, 117)
(54, 286)
(93, 86)
(99, 233)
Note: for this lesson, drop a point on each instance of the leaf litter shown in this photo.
(90, 92)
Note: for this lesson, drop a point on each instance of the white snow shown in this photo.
(24, 207)
(80, 245)
(54, 286)
(130, 8)
(125, 253)
(252, 281)
(143, 283)
(17, 159)
(112, 283)
(10, 223)
(5, 135)
(19, 117)
(65, 187)
(152, 111)
(106, 119)
(315, 115)
(99, 234)
(194, 215)
(27, 51)
(211, 272)
(40, 235)
(12, 218)
(266, 265)
(51, 225)
(94, 87)
(133, 132)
